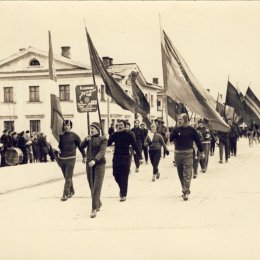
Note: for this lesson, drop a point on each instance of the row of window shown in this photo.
(64, 94)
(35, 125)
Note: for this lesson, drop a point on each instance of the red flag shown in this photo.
(182, 86)
(56, 117)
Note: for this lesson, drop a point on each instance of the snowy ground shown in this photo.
(219, 221)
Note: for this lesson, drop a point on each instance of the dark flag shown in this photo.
(251, 108)
(182, 86)
(113, 89)
(175, 108)
(138, 95)
(56, 117)
(233, 99)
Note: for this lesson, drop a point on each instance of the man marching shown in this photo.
(69, 142)
(121, 160)
(183, 136)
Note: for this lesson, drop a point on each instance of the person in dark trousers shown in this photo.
(213, 138)
(5, 140)
(233, 136)
(121, 162)
(145, 148)
(223, 145)
(205, 132)
(35, 148)
(95, 164)
(155, 143)
(139, 137)
(69, 142)
(43, 146)
(21, 143)
(183, 137)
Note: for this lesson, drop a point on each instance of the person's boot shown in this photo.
(153, 179)
(93, 213)
(157, 175)
(64, 198)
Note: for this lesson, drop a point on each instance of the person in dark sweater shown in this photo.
(95, 164)
(145, 148)
(69, 142)
(139, 137)
(183, 137)
(155, 143)
(223, 145)
(121, 162)
(233, 136)
(5, 141)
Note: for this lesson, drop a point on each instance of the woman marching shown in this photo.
(155, 142)
(96, 145)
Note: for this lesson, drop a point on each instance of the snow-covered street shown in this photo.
(219, 221)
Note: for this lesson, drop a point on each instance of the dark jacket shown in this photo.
(96, 149)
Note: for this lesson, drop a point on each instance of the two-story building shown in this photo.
(25, 89)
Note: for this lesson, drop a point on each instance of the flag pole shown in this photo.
(225, 116)
(94, 81)
(164, 82)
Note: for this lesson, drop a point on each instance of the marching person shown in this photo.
(233, 136)
(21, 143)
(183, 137)
(69, 142)
(145, 148)
(223, 145)
(121, 161)
(96, 145)
(139, 137)
(205, 132)
(155, 142)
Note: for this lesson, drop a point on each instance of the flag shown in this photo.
(113, 89)
(251, 106)
(233, 99)
(138, 95)
(220, 106)
(182, 86)
(56, 117)
(174, 108)
(52, 71)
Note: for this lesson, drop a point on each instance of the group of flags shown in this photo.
(181, 89)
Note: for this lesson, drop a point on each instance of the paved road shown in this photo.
(219, 221)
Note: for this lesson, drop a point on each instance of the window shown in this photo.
(64, 92)
(34, 94)
(159, 105)
(9, 125)
(102, 98)
(151, 100)
(8, 94)
(34, 62)
(35, 126)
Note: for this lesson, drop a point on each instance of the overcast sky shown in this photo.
(216, 39)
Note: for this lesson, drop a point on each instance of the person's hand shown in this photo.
(202, 155)
(88, 138)
(167, 152)
(91, 163)
(84, 160)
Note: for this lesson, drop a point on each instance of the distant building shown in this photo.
(25, 90)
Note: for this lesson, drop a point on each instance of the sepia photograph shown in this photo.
(129, 130)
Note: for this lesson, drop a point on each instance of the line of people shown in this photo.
(34, 147)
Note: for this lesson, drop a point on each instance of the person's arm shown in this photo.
(133, 143)
(102, 150)
(111, 139)
(78, 142)
(163, 144)
(196, 139)
(147, 141)
(173, 135)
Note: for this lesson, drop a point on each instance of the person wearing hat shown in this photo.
(183, 137)
(14, 139)
(96, 145)
(5, 141)
(121, 159)
(205, 141)
(69, 142)
(21, 143)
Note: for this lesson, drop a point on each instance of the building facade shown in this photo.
(25, 89)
